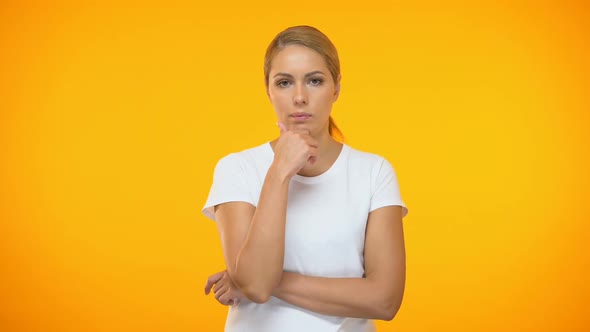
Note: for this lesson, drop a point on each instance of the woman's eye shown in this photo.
(283, 84)
(316, 81)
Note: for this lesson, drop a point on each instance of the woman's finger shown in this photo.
(218, 285)
(220, 293)
(225, 298)
(282, 127)
(212, 280)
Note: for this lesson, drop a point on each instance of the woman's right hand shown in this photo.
(294, 149)
(225, 291)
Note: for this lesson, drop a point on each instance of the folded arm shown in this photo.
(253, 238)
(378, 295)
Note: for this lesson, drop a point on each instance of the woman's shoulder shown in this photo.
(255, 152)
(364, 157)
(248, 156)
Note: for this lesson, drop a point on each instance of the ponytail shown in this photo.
(334, 131)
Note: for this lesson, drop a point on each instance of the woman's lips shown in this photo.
(301, 116)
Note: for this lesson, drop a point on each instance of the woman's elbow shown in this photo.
(254, 291)
(389, 308)
(254, 287)
(388, 313)
(256, 295)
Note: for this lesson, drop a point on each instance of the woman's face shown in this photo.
(301, 89)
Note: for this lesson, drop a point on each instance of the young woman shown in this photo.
(311, 228)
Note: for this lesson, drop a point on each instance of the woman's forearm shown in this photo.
(346, 297)
(259, 263)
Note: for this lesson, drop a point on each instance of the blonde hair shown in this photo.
(314, 39)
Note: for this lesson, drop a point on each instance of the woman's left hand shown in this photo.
(225, 291)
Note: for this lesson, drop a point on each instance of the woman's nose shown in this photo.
(300, 97)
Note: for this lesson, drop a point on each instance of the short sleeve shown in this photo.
(386, 189)
(229, 185)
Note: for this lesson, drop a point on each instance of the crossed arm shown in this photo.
(377, 296)
(253, 246)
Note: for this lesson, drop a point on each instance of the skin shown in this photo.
(300, 81)
(253, 238)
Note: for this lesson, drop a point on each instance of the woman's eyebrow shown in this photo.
(306, 75)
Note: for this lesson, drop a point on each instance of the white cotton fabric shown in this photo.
(325, 228)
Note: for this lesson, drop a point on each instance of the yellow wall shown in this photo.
(113, 116)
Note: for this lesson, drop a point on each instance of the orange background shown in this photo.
(113, 116)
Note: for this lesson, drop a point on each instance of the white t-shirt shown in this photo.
(325, 228)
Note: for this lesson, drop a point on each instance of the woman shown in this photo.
(311, 228)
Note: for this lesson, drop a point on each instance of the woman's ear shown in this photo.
(337, 87)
